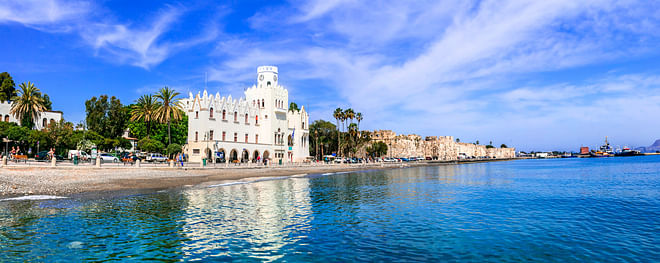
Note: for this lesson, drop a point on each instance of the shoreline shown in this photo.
(67, 181)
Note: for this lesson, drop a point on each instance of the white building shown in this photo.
(253, 128)
(44, 119)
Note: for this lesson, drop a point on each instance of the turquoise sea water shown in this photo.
(563, 210)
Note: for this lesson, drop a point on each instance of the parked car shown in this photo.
(43, 155)
(156, 157)
(106, 157)
(81, 154)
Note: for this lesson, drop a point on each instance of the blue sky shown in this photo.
(537, 75)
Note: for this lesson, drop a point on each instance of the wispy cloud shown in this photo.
(138, 43)
(50, 15)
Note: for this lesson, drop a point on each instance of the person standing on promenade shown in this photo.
(181, 159)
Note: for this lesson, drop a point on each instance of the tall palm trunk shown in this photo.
(169, 136)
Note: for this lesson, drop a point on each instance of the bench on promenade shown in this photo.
(18, 158)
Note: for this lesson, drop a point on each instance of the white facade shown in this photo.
(249, 129)
(44, 119)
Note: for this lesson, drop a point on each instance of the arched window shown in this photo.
(45, 123)
(7, 118)
(256, 138)
(224, 112)
(197, 115)
(246, 137)
(211, 113)
(211, 135)
(263, 103)
(268, 84)
(235, 116)
(258, 103)
(224, 135)
(256, 119)
(196, 136)
(246, 118)
(235, 137)
(52, 121)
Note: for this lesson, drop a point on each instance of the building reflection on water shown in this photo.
(254, 219)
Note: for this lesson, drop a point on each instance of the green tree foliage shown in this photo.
(377, 149)
(97, 109)
(339, 117)
(58, 135)
(144, 110)
(27, 105)
(179, 131)
(173, 149)
(503, 146)
(293, 107)
(326, 134)
(150, 145)
(489, 146)
(7, 87)
(106, 117)
(48, 105)
(168, 109)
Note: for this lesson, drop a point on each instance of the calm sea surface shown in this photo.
(563, 210)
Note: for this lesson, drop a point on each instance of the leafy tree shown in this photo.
(377, 149)
(324, 132)
(173, 149)
(27, 105)
(117, 118)
(477, 143)
(293, 107)
(489, 146)
(169, 109)
(150, 145)
(96, 109)
(7, 87)
(60, 134)
(179, 131)
(107, 118)
(85, 145)
(124, 143)
(47, 103)
(503, 146)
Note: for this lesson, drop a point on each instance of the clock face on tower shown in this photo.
(275, 78)
(261, 77)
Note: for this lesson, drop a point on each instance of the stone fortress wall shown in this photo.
(436, 147)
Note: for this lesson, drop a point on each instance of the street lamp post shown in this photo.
(316, 135)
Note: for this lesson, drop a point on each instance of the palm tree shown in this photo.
(169, 108)
(338, 116)
(350, 114)
(28, 104)
(145, 110)
(358, 117)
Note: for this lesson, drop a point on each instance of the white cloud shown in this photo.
(51, 15)
(139, 43)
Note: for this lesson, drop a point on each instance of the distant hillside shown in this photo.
(653, 148)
